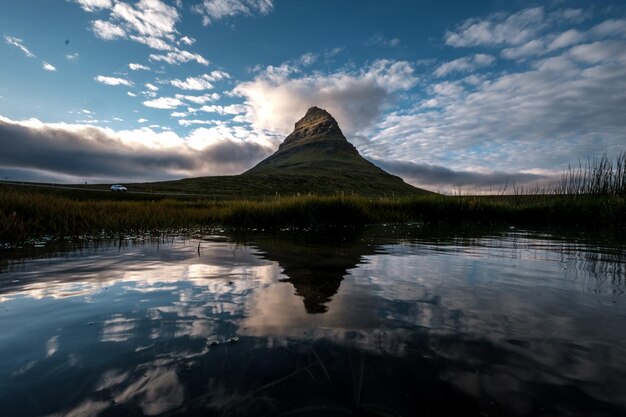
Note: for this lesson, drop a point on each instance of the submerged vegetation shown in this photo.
(591, 194)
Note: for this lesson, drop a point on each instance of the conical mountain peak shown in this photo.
(317, 124)
(317, 158)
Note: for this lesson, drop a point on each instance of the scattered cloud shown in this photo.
(275, 99)
(165, 103)
(138, 67)
(18, 43)
(562, 108)
(95, 5)
(149, 22)
(150, 18)
(131, 94)
(379, 40)
(113, 81)
(107, 30)
(48, 67)
(187, 40)
(202, 82)
(231, 109)
(72, 57)
(465, 64)
(212, 10)
(308, 59)
(152, 42)
(499, 29)
(152, 87)
(178, 57)
(190, 122)
(205, 98)
(142, 120)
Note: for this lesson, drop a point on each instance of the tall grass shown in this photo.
(593, 193)
(30, 214)
(598, 176)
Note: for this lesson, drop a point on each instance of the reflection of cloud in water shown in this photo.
(500, 321)
(117, 329)
(147, 273)
(52, 345)
(156, 389)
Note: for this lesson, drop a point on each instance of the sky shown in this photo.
(444, 94)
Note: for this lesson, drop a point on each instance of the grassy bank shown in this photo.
(28, 213)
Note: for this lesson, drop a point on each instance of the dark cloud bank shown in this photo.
(56, 152)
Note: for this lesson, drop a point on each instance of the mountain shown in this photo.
(315, 158)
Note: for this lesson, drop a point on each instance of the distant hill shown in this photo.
(315, 158)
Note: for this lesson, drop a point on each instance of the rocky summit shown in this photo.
(317, 124)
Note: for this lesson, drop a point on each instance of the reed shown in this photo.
(28, 214)
(599, 177)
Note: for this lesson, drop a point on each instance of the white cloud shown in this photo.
(72, 57)
(465, 64)
(107, 30)
(94, 5)
(202, 82)
(530, 48)
(113, 81)
(212, 10)
(165, 103)
(199, 99)
(142, 120)
(177, 57)
(178, 114)
(152, 18)
(19, 44)
(500, 29)
(192, 83)
(187, 40)
(231, 109)
(48, 67)
(131, 94)
(189, 122)
(567, 38)
(152, 87)
(149, 22)
(611, 27)
(138, 67)
(356, 99)
(308, 59)
(563, 108)
(152, 42)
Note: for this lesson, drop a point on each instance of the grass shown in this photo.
(27, 214)
(593, 194)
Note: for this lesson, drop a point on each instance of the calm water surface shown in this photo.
(416, 321)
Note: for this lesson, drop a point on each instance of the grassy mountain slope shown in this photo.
(316, 158)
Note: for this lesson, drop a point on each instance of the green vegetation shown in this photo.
(30, 213)
(593, 194)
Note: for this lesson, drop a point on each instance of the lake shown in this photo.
(380, 321)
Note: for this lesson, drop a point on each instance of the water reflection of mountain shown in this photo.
(315, 263)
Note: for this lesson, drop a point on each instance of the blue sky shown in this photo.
(440, 93)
